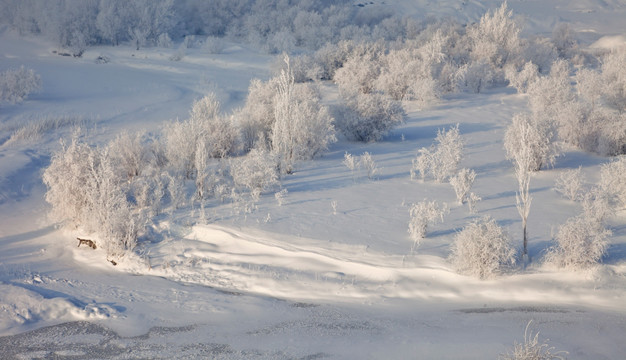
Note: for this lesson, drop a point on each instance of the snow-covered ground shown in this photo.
(303, 279)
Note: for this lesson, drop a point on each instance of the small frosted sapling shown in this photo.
(351, 163)
(367, 162)
(280, 196)
(462, 183)
(570, 184)
(423, 214)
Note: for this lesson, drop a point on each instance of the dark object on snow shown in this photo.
(90, 243)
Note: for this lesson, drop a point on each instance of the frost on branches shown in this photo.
(17, 84)
(482, 249)
(580, 243)
(442, 159)
(421, 215)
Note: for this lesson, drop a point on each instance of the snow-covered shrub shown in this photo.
(86, 192)
(614, 79)
(280, 196)
(613, 182)
(570, 183)
(421, 215)
(407, 74)
(495, 38)
(482, 249)
(548, 95)
(521, 79)
(477, 76)
(580, 243)
(360, 70)
(472, 199)
(130, 153)
(351, 163)
(213, 45)
(303, 127)
(257, 171)
(17, 84)
(219, 133)
(164, 41)
(462, 184)
(540, 51)
(531, 136)
(368, 117)
(532, 349)
(563, 38)
(442, 159)
(367, 163)
(257, 116)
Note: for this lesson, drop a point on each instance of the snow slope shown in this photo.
(298, 280)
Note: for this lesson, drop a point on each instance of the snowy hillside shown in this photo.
(318, 262)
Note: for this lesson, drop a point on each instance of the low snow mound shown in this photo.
(609, 42)
(21, 307)
(301, 269)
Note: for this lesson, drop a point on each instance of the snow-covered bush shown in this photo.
(570, 184)
(360, 70)
(257, 172)
(367, 163)
(17, 84)
(613, 182)
(421, 215)
(213, 45)
(442, 159)
(614, 79)
(130, 153)
(521, 79)
(462, 184)
(86, 193)
(218, 132)
(580, 243)
(280, 196)
(477, 76)
(472, 199)
(548, 95)
(482, 249)
(368, 117)
(303, 127)
(495, 38)
(257, 116)
(563, 38)
(532, 349)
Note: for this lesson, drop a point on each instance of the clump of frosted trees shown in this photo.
(17, 84)
(114, 191)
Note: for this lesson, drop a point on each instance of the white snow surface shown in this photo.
(297, 280)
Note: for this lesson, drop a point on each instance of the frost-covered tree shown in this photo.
(522, 78)
(421, 215)
(369, 117)
(462, 184)
(580, 242)
(303, 127)
(218, 132)
(86, 193)
(614, 79)
(257, 172)
(534, 137)
(367, 163)
(442, 159)
(482, 249)
(360, 70)
(524, 148)
(17, 84)
(570, 184)
(612, 183)
(496, 37)
(130, 153)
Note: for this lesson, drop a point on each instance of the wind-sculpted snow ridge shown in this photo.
(23, 303)
(309, 270)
